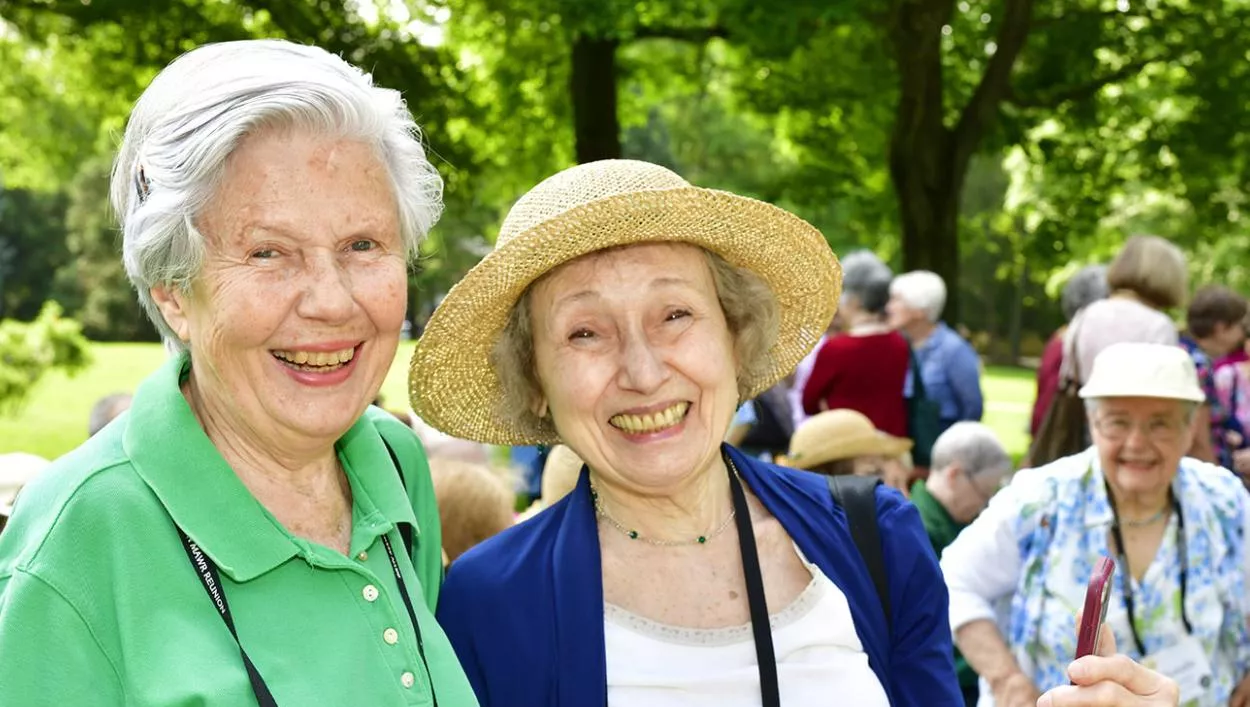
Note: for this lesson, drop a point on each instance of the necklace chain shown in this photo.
(634, 535)
(1149, 520)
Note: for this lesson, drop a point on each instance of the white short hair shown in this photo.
(197, 111)
(974, 446)
(921, 290)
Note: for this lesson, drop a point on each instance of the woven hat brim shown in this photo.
(834, 448)
(452, 385)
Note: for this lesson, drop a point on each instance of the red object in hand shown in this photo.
(1097, 596)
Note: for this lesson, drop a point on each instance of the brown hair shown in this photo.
(1212, 305)
(751, 313)
(1151, 268)
(474, 503)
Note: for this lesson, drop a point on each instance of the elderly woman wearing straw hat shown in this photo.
(250, 531)
(627, 313)
(1175, 526)
(838, 442)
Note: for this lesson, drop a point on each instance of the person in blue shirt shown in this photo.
(627, 314)
(949, 367)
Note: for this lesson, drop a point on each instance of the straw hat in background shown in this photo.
(840, 434)
(589, 208)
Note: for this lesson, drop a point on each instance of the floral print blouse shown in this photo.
(1027, 560)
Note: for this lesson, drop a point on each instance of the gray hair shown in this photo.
(866, 278)
(922, 290)
(105, 410)
(198, 110)
(1087, 286)
(974, 446)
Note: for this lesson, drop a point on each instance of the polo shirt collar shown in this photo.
(933, 513)
(207, 501)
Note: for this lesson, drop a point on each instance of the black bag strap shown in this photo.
(857, 496)
(917, 380)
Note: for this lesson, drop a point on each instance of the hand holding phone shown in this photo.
(1097, 596)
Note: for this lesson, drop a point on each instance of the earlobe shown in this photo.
(172, 302)
(540, 408)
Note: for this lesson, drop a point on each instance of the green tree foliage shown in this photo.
(999, 142)
(28, 350)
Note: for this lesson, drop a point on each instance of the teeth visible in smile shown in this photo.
(316, 358)
(654, 422)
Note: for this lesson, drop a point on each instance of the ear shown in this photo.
(173, 304)
(539, 407)
(951, 471)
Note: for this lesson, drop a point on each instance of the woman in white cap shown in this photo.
(627, 313)
(1175, 527)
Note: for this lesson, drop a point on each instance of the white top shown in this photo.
(818, 655)
(1112, 321)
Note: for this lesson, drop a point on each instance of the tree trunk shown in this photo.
(928, 160)
(596, 129)
(921, 149)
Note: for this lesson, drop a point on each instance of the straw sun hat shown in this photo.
(588, 208)
(840, 434)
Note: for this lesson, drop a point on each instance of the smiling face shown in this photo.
(1140, 442)
(294, 319)
(636, 362)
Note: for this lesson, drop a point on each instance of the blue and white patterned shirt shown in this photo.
(1026, 561)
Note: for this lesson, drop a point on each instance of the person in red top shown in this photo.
(864, 367)
(1088, 285)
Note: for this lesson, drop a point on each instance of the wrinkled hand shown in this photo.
(1109, 680)
(1016, 691)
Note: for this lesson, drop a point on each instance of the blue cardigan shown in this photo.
(524, 610)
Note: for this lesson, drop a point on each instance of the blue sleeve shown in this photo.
(964, 372)
(922, 662)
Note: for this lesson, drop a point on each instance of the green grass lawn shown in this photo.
(54, 420)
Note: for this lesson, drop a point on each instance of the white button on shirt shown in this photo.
(407, 679)
(370, 593)
(391, 636)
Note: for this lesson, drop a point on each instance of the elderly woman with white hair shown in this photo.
(1175, 526)
(251, 532)
(945, 368)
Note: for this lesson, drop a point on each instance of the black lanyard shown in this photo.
(760, 626)
(1182, 552)
(206, 569)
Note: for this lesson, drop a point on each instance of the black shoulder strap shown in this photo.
(405, 530)
(857, 495)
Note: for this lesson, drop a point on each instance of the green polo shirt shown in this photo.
(99, 604)
(942, 530)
